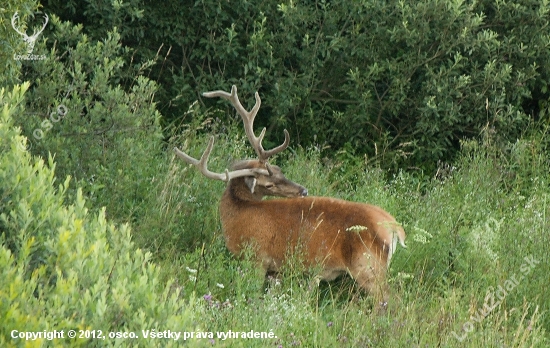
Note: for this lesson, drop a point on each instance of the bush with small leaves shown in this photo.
(62, 268)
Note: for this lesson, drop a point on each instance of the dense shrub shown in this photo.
(11, 43)
(62, 268)
(102, 133)
(402, 80)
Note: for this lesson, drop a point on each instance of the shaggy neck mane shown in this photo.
(237, 191)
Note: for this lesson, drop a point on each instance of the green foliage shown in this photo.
(62, 268)
(399, 83)
(103, 134)
(468, 234)
(100, 17)
(11, 42)
(402, 81)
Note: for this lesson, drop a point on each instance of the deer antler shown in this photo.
(202, 165)
(248, 119)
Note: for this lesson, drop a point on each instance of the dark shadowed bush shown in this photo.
(403, 81)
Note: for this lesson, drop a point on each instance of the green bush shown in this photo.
(63, 268)
(103, 134)
(401, 81)
(11, 43)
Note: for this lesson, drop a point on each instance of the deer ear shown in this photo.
(250, 181)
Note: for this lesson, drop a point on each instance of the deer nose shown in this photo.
(303, 192)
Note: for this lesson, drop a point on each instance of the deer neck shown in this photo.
(238, 191)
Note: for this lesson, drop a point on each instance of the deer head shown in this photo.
(261, 178)
(29, 40)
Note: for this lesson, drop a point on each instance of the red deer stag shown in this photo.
(340, 236)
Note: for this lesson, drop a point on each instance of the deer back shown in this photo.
(330, 232)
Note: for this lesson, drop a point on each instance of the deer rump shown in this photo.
(339, 236)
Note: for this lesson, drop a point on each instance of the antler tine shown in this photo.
(279, 148)
(248, 120)
(203, 162)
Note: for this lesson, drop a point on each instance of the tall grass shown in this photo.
(475, 272)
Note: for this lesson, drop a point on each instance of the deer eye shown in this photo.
(269, 185)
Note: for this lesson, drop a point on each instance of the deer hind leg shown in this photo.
(269, 269)
(370, 275)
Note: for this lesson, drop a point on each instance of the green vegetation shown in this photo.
(406, 80)
(102, 228)
(63, 268)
